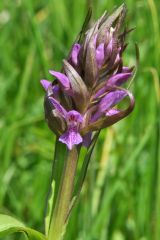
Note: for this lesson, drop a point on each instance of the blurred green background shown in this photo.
(121, 196)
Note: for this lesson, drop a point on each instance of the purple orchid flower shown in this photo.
(73, 120)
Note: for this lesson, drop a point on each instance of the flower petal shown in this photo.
(55, 91)
(62, 78)
(126, 69)
(111, 112)
(100, 92)
(109, 48)
(119, 79)
(60, 110)
(71, 138)
(45, 84)
(111, 99)
(100, 55)
(74, 53)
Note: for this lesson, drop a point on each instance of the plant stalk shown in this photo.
(63, 201)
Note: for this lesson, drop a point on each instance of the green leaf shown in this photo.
(84, 168)
(49, 210)
(83, 172)
(34, 235)
(9, 225)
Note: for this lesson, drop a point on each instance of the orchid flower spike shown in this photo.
(83, 97)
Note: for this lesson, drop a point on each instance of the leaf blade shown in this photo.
(9, 225)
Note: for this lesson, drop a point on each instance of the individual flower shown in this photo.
(83, 97)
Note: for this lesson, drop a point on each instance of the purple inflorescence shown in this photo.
(83, 97)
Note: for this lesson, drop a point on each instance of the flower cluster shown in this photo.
(84, 95)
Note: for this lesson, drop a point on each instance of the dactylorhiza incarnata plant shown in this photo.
(82, 99)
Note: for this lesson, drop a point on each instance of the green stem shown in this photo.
(63, 201)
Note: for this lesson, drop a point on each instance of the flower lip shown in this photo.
(72, 136)
(74, 116)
